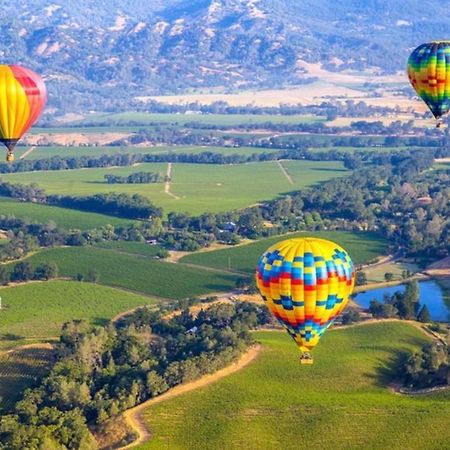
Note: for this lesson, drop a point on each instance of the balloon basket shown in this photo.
(9, 157)
(306, 358)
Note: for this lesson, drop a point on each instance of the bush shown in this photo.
(351, 316)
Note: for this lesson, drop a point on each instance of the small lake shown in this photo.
(430, 294)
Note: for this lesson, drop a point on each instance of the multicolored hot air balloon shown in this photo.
(22, 99)
(306, 284)
(429, 74)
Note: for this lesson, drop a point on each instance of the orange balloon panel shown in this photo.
(22, 98)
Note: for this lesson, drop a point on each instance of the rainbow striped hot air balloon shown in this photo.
(22, 98)
(429, 74)
(306, 284)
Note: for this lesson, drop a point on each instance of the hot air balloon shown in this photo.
(429, 74)
(306, 284)
(22, 99)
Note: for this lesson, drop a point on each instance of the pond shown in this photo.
(430, 294)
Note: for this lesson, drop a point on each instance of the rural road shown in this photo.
(169, 179)
(27, 152)
(285, 172)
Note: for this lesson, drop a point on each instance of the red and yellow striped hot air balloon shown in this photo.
(22, 98)
(306, 284)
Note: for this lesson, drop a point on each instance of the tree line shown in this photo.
(404, 305)
(136, 178)
(391, 193)
(24, 271)
(100, 372)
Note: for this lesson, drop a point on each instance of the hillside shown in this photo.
(340, 402)
(127, 49)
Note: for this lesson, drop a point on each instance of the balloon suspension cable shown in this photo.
(306, 358)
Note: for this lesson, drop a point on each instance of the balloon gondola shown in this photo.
(22, 98)
(306, 284)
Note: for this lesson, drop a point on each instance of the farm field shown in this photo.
(72, 151)
(362, 247)
(208, 119)
(196, 188)
(341, 402)
(376, 274)
(136, 248)
(38, 310)
(19, 370)
(97, 151)
(63, 217)
(378, 148)
(136, 273)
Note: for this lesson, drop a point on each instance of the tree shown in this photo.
(412, 291)
(382, 310)
(46, 271)
(92, 276)
(241, 283)
(388, 276)
(424, 315)
(4, 276)
(155, 384)
(162, 253)
(22, 271)
(361, 278)
(350, 316)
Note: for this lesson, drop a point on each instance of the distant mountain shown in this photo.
(100, 54)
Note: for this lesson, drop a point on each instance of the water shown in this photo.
(430, 294)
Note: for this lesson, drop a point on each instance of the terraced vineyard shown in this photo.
(362, 247)
(19, 370)
(138, 274)
(63, 217)
(341, 402)
(36, 311)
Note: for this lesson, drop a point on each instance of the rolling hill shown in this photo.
(341, 402)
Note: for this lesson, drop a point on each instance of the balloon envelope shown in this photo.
(22, 98)
(429, 74)
(306, 284)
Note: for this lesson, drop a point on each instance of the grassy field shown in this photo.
(135, 248)
(362, 149)
(20, 370)
(339, 403)
(96, 151)
(197, 188)
(207, 119)
(362, 247)
(67, 152)
(38, 310)
(140, 274)
(376, 274)
(65, 218)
